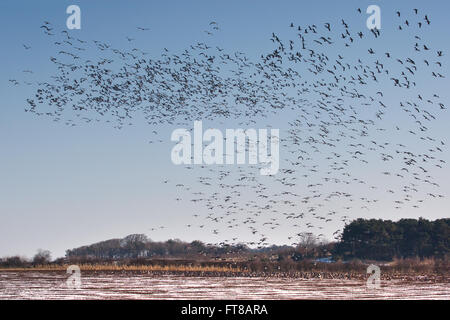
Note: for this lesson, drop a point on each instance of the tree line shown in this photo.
(384, 239)
(381, 240)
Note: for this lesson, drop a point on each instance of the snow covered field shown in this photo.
(108, 285)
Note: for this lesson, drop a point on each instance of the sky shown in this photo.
(62, 187)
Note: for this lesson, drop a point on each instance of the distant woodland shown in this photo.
(378, 240)
(385, 240)
(361, 239)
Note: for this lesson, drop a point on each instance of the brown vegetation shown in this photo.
(406, 269)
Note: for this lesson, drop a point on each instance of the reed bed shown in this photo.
(404, 269)
(224, 271)
(149, 268)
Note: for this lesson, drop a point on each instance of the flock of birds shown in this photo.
(322, 77)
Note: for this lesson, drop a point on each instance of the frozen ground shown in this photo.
(107, 285)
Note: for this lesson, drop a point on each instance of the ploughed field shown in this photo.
(137, 285)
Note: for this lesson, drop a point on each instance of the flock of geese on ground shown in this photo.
(354, 109)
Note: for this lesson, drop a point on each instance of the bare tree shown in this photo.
(308, 242)
(42, 257)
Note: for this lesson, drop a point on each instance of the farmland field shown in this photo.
(129, 285)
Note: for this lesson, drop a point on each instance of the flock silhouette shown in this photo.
(323, 75)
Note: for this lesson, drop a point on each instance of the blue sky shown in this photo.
(62, 187)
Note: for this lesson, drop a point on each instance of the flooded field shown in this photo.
(107, 285)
